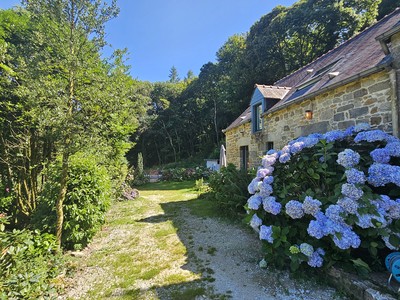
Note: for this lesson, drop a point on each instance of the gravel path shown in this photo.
(234, 263)
(225, 255)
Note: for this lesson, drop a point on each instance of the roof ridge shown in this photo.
(351, 39)
(273, 86)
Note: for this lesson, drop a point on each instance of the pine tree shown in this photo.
(173, 75)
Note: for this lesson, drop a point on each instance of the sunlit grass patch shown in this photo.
(167, 229)
(140, 246)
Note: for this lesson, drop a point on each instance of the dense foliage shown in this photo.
(66, 115)
(228, 190)
(88, 197)
(183, 174)
(329, 197)
(29, 264)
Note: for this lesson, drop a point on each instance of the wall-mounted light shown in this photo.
(309, 114)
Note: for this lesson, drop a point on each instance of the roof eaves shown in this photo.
(237, 125)
(385, 63)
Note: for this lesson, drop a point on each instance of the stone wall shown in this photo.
(366, 100)
(243, 136)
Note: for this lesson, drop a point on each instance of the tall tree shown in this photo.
(189, 76)
(20, 145)
(80, 99)
(173, 75)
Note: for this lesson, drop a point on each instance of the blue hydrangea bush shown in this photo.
(329, 198)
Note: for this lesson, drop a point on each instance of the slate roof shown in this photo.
(359, 56)
(273, 92)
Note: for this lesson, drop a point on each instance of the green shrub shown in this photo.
(228, 188)
(182, 174)
(29, 264)
(134, 178)
(140, 164)
(87, 199)
(201, 187)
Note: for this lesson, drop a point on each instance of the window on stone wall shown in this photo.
(270, 146)
(244, 157)
(257, 119)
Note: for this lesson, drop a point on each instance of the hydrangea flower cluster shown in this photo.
(348, 158)
(330, 220)
(266, 233)
(294, 249)
(314, 257)
(294, 209)
(270, 205)
(372, 136)
(351, 191)
(316, 260)
(355, 176)
(311, 206)
(306, 249)
(255, 222)
(382, 174)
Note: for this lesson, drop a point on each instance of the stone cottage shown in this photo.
(359, 81)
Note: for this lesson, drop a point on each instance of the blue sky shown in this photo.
(186, 34)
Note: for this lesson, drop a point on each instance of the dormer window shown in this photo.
(264, 97)
(257, 119)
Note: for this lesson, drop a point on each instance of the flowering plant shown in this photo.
(329, 197)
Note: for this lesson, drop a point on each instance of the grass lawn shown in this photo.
(139, 254)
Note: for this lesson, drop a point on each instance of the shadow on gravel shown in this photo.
(186, 290)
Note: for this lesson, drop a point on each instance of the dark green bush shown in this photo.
(228, 188)
(134, 178)
(87, 199)
(182, 174)
(29, 264)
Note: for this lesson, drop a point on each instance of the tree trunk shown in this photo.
(65, 155)
(170, 140)
(61, 198)
(215, 122)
